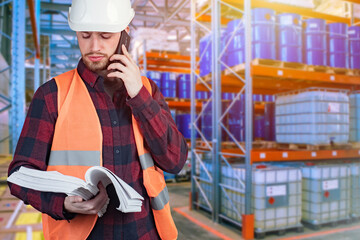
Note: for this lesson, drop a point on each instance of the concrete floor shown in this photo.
(196, 225)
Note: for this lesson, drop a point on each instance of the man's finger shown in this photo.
(75, 199)
(127, 54)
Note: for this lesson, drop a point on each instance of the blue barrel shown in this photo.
(289, 35)
(184, 124)
(263, 37)
(257, 97)
(315, 42)
(201, 95)
(205, 55)
(183, 86)
(236, 47)
(155, 76)
(168, 84)
(259, 124)
(263, 30)
(227, 96)
(269, 98)
(269, 124)
(206, 121)
(205, 51)
(354, 47)
(338, 45)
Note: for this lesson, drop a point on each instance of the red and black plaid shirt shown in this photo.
(161, 137)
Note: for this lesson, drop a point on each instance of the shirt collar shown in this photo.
(87, 75)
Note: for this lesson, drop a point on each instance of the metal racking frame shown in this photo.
(268, 80)
(218, 155)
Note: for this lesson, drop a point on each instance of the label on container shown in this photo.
(334, 107)
(313, 25)
(330, 184)
(276, 190)
(287, 20)
(351, 32)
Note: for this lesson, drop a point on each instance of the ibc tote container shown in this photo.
(355, 190)
(206, 175)
(325, 193)
(276, 199)
(312, 116)
(354, 116)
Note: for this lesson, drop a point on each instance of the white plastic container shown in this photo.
(354, 117)
(312, 116)
(355, 190)
(276, 196)
(325, 193)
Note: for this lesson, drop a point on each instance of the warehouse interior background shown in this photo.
(266, 92)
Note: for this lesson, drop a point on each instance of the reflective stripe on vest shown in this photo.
(74, 158)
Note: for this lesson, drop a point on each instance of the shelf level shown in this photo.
(266, 155)
(271, 80)
(183, 106)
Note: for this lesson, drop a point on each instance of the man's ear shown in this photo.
(127, 29)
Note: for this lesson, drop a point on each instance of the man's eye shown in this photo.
(86, 36)
(105, 36)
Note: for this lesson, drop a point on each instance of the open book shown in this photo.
(53, 181)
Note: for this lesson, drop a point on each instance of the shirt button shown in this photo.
(114, 122)
(117, 151)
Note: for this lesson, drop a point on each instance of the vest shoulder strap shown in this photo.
(63, 82)
(147, 84)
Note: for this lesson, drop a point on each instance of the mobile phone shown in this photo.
(124, 40)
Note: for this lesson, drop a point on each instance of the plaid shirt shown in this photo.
(161, 138)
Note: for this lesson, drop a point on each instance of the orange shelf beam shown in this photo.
(167, 69)
(184, 106)
(271, 80)
(167, 63)
(279, 7)
(267, 155)
(167, 56)
(352, 1)
(287, 73)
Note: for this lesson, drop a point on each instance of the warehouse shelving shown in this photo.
(252, 78)
(279, 7)
(284, 79)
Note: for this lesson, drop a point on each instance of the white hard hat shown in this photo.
(100, 16)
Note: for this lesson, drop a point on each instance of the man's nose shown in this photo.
(95, 44)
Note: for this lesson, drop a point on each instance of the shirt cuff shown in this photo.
(141, 101)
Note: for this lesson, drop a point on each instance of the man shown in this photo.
(120, 107)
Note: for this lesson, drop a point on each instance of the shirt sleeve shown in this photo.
(161, 136)
(33, 150)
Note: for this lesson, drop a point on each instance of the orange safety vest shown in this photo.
(77, 146)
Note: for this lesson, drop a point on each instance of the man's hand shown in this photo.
(130, 72)
(76, 204)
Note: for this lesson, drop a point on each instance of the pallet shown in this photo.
(334, 70)
(294, 65)
(240, 68)
(354, 72)
(310, 147)
(171, 99)
(184, 100)
(280, 232)
(355, 145)
(316, 68)
(327, 224)
(165, 52)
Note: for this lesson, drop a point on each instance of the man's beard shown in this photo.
(96, 66)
